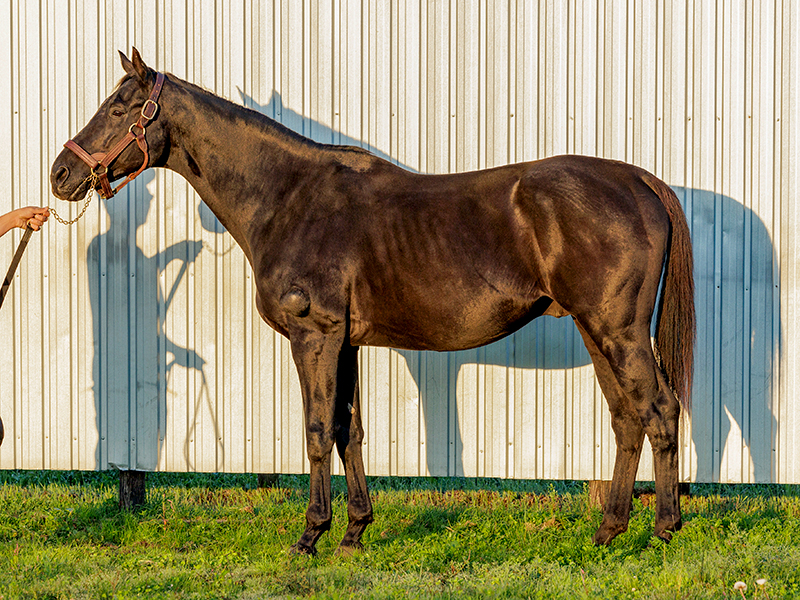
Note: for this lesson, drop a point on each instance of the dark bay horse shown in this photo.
(350, 250)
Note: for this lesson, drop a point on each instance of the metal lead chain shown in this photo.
(92, 179)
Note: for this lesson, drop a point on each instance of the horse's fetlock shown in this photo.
(608, 530)
(360, 515)
(300, 549)
(318, 522)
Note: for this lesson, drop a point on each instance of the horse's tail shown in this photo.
(675, 324)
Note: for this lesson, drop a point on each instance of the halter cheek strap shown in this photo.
(99, 162)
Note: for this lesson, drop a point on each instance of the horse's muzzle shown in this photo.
(60, 180)
(65, 183)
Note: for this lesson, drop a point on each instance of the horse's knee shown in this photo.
(319, 443)
(663, 442)
(355, 436)
(628, 431)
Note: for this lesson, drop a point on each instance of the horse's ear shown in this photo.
(136, 67)
(126, 64)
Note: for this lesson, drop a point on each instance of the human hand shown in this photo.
(34, 216)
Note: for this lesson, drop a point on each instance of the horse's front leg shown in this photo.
(317, 356)
(349, 436)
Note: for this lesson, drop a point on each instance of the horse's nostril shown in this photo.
(61, 175)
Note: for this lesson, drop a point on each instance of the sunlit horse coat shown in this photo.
(351, 250)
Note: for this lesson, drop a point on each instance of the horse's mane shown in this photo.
(251, 114)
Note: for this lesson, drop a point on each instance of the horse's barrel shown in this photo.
(2, 433)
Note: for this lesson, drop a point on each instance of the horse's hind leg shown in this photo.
(630, 438)
(631, 359)
(349, 436)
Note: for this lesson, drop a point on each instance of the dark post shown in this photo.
(598, 491)
(131, 489)
(267, 480)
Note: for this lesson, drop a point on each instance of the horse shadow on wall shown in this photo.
(735, 354)
(130, 370)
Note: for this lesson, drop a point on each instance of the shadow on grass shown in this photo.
(104, 479)
(427, 522)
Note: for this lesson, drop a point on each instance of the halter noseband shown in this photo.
(135, 132)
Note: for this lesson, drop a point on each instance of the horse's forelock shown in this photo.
(125, 78)
(122, 80)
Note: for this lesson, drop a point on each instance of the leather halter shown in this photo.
(99, 162)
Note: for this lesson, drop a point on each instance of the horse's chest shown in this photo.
(293, 294)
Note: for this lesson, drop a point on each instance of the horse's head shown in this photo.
(103, 151)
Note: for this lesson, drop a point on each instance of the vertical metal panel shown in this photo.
(133, 337)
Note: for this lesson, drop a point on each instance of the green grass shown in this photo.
(217, 536)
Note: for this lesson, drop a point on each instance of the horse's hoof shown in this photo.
(349, 549)
(666, 532)
(664, 536)
(299, 549)
(606, 533)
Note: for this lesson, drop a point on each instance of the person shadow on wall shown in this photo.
(130, 371)
(733, 383)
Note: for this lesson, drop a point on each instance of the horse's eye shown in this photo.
(117, 112)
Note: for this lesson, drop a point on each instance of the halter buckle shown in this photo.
(149, 110)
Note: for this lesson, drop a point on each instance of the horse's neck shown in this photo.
(238, 162)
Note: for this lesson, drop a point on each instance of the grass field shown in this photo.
(217, 536)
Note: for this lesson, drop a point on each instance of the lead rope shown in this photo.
(92, 179)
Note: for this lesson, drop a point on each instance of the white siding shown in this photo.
(132, 337)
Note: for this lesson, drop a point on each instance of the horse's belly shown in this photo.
(450, 323)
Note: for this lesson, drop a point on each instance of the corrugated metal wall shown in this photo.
(132, 338)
